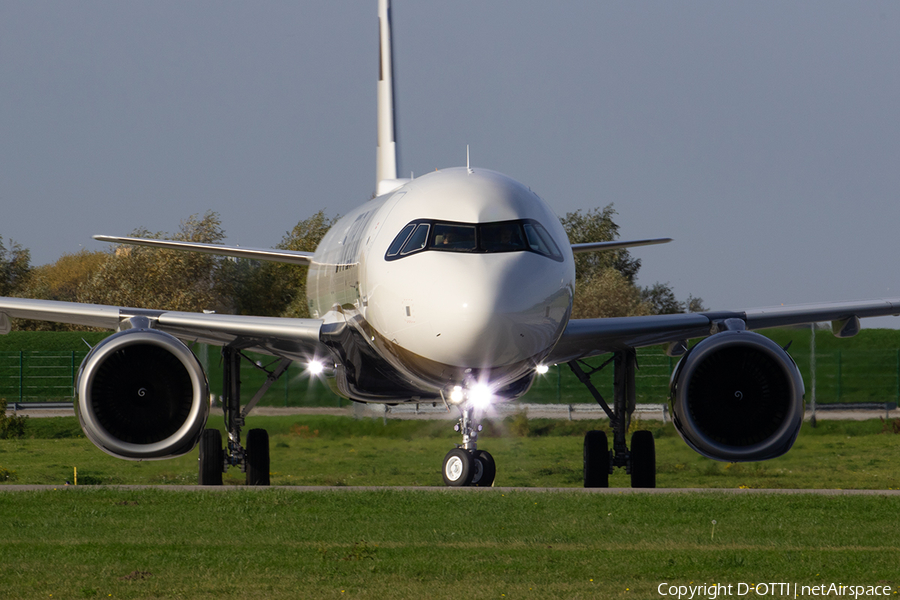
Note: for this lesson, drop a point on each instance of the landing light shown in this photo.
(315, 367)
(542, 369)
(480, 395)
(456, 395)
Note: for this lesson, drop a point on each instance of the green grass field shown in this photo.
(282, 543)
(341, 451)
(287, 542)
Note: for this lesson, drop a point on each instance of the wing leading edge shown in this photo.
(617, 245)
(289, 338)
(589, 337)
(292, 257)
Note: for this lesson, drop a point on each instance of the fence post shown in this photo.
(812, 371)
(21, 374)
(839, 375)
(897, 395)
(73, 375)
(558, 385)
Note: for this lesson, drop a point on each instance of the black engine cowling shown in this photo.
(737, 396)
(142, 394)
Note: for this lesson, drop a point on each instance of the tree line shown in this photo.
(137, 276)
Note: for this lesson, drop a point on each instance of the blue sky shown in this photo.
(764, 137)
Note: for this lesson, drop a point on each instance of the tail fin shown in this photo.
(386, 157)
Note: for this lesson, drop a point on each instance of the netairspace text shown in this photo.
(712, 591)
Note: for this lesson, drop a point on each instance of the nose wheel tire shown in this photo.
(485, 469)
(459, 468)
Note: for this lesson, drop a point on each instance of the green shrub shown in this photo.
(91, 479)
(10, 427)
(518, 424)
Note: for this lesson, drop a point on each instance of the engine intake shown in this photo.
(142, 394)
(737, 396)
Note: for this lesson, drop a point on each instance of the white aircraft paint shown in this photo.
(440, 316)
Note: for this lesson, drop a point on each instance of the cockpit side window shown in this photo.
(540, 241)
(395, 246)
(526, 235)
(417, 240)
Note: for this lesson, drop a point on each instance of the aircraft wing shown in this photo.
(599, 246)
(290, 338)
(293, 257)
(589, 337)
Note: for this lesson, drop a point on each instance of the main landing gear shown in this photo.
(465, 465)
(599, 461)
(253, 459)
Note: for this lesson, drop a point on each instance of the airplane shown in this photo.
(453, 287)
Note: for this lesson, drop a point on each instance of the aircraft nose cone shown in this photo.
(499, 311)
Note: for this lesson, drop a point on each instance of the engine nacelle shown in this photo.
(737, 396)
(142, 394)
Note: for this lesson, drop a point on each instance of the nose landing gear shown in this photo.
(465, 465)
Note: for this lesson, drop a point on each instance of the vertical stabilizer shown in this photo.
(386, 158)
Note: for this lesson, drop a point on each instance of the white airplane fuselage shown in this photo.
(486, 311)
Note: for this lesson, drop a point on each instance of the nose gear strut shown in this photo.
(466, 465)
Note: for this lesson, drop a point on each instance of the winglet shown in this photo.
(386, 154)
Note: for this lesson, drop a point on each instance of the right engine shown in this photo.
(142, 394)
(737, 396)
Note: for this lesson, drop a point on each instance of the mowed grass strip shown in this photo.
(341, 451)
(282, 543)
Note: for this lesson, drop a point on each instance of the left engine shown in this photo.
(737, 396)
(142, 394)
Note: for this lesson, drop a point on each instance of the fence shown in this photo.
(29, 376)
(841, 376)
(46, 376)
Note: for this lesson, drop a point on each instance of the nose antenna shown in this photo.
(468, 168)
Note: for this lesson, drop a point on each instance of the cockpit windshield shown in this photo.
(504, 236)
(454, 238)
